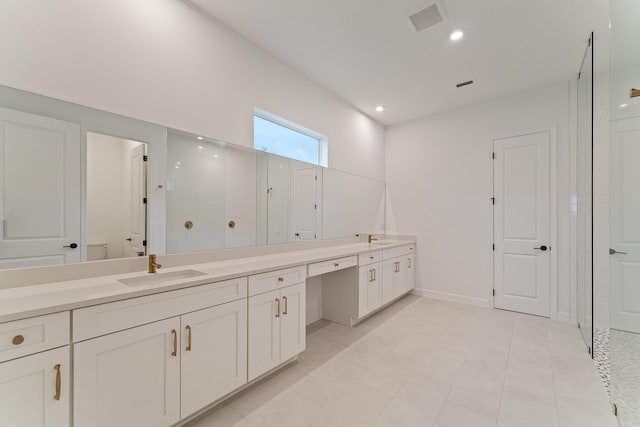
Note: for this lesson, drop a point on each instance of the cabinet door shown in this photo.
(264, 333)
(410, 272)
(293, 321)
(129, 378)
(369, 289)
(389, 280)
(214, 354)
(34, 390)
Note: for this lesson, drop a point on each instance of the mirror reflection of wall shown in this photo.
(361, 203)
(116, 197)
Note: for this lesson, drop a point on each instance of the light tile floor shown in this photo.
(423, 362)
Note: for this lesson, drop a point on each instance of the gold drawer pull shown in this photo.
(285, 305)
(336, 265)
(374, 275)
(58, 382)
(175, 343)
(278, 309)
(409, 259)
(17, 340)
(188, 338)
(280, 279)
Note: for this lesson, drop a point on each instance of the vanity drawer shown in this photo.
(399, 251)
(369, 258)
(27, 336)
(318, 268)
(265, 282)
(106, 318)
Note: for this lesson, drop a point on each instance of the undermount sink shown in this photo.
(158, 278)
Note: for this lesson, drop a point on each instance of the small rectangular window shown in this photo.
(284, 138)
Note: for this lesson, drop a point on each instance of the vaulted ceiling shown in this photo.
(368, 53)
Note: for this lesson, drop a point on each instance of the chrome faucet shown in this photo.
(153, 265)
(371, 238)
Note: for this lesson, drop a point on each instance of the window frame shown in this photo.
(323, 141)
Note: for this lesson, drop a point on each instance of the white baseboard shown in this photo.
(444, 296)
(565, 317)
(314, 317)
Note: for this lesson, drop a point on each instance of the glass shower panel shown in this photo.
(624, 196)
(582, 208)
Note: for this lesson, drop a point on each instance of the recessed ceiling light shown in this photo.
(623, 105)
(380, 108)
(200, 147)
(215, 156)
(200, 138)
(456, 35)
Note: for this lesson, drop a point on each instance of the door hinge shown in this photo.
(493, 155)
(315, 206)
(493, 292)
(316, 177)
(493, 200)
(493, 247)
(145, 158)
(615, 409)
(144, 243)
(144, 200)
(314, 236)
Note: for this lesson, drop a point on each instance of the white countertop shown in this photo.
(29, 301)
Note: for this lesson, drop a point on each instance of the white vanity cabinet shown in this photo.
(277, 327)
(35, 371)
(369, 288)
(213, 354)
(129, 378)
(398, 272)
(160, 372)
(35, 390)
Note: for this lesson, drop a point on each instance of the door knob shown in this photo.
(128, 239)
(72, 246)
(613, 252)
(542, 248)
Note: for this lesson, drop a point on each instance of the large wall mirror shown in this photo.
(79, 184)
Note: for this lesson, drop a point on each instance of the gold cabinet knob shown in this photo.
(232, 224)
(280, 279)
(188, 225)
(17, 340)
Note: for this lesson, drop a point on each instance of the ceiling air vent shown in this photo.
(426, 16)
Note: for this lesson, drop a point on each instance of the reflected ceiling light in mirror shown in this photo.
(456, 35)
(380, 108)
(623, 105)
(200, 138)
(200, 147)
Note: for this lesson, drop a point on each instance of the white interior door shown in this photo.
(625, 225)
(137, 212)
(304, 203)
(522, 223)
(39, 190)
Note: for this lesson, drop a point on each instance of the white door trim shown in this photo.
(553, 218)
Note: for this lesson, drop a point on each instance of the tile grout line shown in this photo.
(504, 380)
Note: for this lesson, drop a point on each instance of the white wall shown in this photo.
(166, 62)
(439, 182)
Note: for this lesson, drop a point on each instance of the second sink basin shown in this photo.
(158, 278)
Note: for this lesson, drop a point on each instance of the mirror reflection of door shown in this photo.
(304, 201)
(116, 197)
(39, 190)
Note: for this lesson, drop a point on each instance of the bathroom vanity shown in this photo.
(156, 349)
